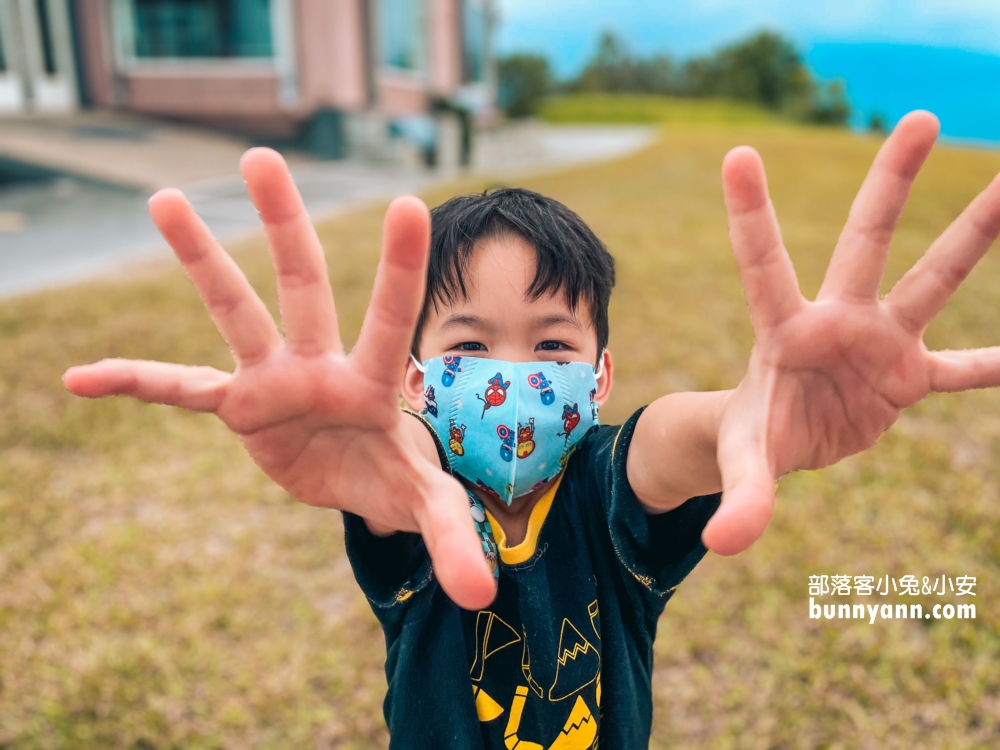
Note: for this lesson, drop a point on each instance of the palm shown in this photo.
(827, 378)
(323, 424)
(293, 413)
(843, 373)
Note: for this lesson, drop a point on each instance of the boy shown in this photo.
(559, 654)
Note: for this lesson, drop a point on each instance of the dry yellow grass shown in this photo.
(156, 591)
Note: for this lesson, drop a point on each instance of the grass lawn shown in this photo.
(156, 591)
(650, 109)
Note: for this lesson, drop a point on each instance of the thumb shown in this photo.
(747, 495)
(446, 525)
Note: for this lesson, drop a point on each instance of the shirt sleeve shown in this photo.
(389, 569)
(656, 551)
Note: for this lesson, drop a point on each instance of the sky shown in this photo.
(893, 55)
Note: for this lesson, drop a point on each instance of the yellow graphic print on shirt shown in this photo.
(578, 733)
(492, 635)
(526, 667)
(578, 664)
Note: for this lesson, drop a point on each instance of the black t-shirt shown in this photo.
(563, 657)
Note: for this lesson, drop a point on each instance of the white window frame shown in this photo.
(281, 63)
(421, 72)
(26, 85)
(487, 19)
(12, 93)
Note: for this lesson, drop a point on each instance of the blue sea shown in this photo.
(962, 88)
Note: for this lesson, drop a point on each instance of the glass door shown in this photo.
(36, 57)
(49, 55)
(11, 84)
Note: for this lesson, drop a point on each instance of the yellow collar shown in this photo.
(522, 552)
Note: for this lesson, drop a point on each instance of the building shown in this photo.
(330, 74)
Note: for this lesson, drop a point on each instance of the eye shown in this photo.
(551, 346)
(471, 346)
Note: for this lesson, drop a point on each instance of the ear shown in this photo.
(604, 382)
(413, 386)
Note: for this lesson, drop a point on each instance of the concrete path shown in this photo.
(61, 230)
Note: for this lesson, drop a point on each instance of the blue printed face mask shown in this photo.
(508, 427)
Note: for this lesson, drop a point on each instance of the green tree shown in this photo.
(613, 68)
(827, 105)
(877, 124)
(524, 80)
(766, 68)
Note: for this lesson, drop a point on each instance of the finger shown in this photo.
(237, 311)
(194, 388)
(859, 259)
(747, 497)
(925, 289)
(766, 271)
(386, 334)
(455, 549)
(307, 310)
(953, 371)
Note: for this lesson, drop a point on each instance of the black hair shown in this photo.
(570, 259)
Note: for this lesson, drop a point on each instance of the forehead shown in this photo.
(497, 279)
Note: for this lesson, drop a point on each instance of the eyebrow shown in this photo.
(460, 321)
(553, 320)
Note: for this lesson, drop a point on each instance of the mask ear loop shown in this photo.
(600, 368)
(416, 364)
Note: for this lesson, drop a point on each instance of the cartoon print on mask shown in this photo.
(539, 382)
(507, 442)
(511, 423)
(539, 484)
(430, 403)
(451, 369)
(570, 418)
(496, 393)
(525, 441)
(456, 436)
(593, 403)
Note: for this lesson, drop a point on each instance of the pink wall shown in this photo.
(444, 46)
(93, 38)
(332, 54)
(400, 93)
(169, 91)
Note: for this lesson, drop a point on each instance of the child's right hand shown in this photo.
(325, 425)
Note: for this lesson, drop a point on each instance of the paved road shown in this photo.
(62, 230)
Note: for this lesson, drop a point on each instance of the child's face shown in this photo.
(498, 321)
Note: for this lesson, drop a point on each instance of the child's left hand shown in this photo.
(827, 378)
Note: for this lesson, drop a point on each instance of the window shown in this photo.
(402, 32)
(45, 28)
(475, 26)
(202, 28)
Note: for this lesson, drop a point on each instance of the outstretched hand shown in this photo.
(324, 425)
(827, 378)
